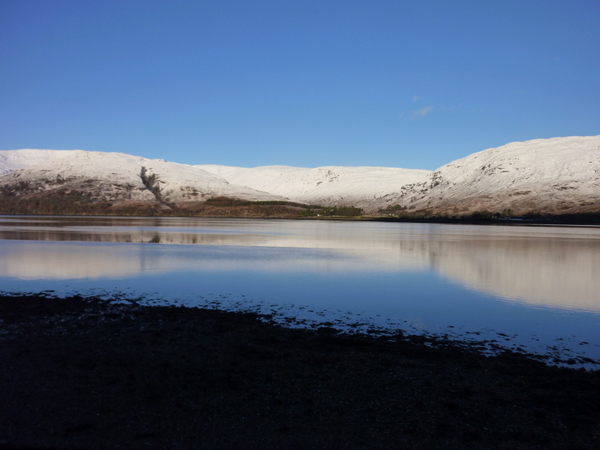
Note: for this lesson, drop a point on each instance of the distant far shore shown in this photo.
(549, 220)
(286, 212)
(75, 203)
(87, 373)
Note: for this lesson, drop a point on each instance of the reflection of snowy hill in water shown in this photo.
(83, 261)
(69, 261)
(540, 267)
(558, 275)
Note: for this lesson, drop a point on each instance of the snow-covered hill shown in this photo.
(113, 177)
(327, 186)
(558, 175)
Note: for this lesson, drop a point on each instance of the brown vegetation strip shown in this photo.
(88, 374)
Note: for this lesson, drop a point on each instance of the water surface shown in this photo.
(529, 288)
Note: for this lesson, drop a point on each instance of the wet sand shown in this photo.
(78, 373)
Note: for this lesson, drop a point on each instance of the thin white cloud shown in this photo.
(422, 112)
(416, 98)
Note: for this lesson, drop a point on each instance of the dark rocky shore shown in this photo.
(78, 373)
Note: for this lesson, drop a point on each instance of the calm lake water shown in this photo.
(536, 289)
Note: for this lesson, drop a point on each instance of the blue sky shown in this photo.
(412, 84)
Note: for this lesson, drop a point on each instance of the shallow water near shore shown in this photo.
(530, 289)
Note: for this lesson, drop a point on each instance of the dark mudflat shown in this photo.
(86, 374)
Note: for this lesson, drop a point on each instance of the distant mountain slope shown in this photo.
(327, 186)
(558, 175)
(18, 159)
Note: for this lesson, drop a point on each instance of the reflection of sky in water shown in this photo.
(537, 283)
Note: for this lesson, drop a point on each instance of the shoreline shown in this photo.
(581, 223)
(88, 373)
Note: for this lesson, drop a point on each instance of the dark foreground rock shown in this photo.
(88, 374)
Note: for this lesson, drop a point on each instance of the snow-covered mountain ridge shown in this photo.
(327, 186)
(558, 175)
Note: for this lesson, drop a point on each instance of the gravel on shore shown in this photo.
(86, 373)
